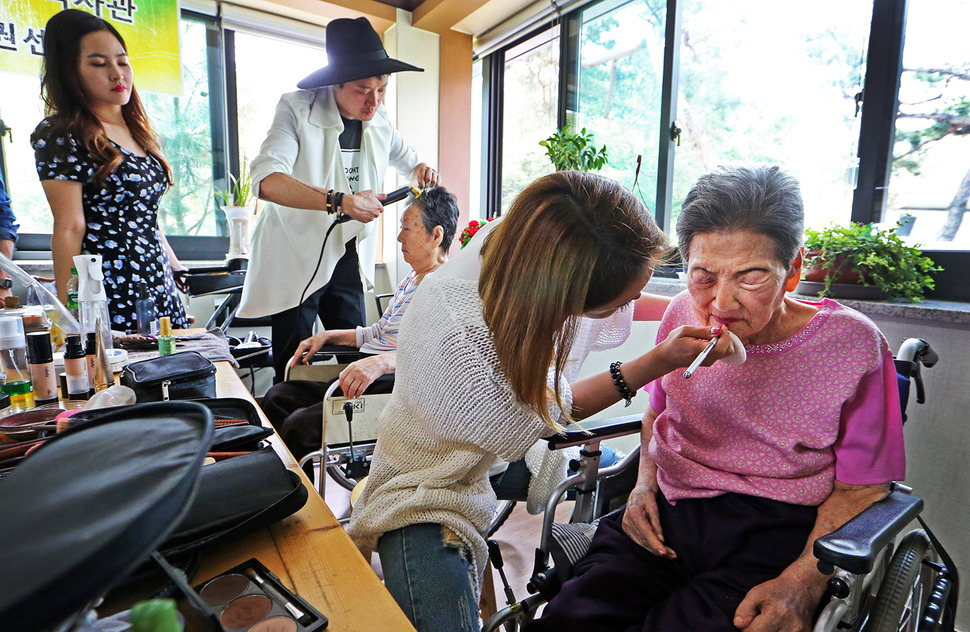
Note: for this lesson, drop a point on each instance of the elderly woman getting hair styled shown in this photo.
(293, 407)
(743, 467)
(481, 362)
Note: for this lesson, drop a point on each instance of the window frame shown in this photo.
(877, 125)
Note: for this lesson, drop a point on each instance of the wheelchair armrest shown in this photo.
(325, 352)
(381, 385)
(596, 429)
(854, 546)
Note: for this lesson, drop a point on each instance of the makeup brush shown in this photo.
(302, 617)
(700, 358)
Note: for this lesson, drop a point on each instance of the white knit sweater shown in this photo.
(452, 412)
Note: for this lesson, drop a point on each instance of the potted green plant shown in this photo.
(862, 254)
(240, 192)
(574, 151)
(238, 211)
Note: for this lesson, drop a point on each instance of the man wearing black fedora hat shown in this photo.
(320, 171)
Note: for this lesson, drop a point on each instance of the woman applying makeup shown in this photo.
(102, 168)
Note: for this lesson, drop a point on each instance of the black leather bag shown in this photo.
(235, 497)
(185, 375)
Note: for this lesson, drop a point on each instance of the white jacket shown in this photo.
(304, 142)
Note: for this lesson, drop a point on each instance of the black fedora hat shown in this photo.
(354, 51)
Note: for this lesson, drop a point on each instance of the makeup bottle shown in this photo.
(91, 357)
(40, 355)
(13, 357)
(145, 310)
(76, 367)
(166, 341)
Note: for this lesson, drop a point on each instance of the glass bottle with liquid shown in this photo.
(13, 357)
(145, 311)
(166, 341)
(71, 290)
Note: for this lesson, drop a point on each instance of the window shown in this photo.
(184, 124)
(776, 87)
(620, 71)
(261, 79)
(930, 178)
(760, 81)
(476, 209)
(22, 114)
(531, 98)
(198, 134)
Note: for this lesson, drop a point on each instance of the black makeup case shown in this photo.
(238, 437)
(236, 495)
(184, 375)
(92, 504)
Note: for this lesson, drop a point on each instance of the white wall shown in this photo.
(938, 439)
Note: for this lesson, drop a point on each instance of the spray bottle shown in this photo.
(91, 297)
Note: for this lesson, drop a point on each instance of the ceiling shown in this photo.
(407, 5)
(472, 17)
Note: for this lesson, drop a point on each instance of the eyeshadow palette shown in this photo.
(249, 598)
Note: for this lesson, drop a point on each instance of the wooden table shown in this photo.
(309, 551)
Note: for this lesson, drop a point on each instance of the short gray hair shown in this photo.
(761, 199)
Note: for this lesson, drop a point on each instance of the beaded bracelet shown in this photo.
(620, 384)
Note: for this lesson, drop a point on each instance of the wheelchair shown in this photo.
(876, 586)
(350, 433)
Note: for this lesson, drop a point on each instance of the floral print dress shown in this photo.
(121, 217)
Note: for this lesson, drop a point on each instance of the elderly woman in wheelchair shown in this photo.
(293, 407)
(482, 359)
(743, 467)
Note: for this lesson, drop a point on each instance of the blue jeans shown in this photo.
(430, 577)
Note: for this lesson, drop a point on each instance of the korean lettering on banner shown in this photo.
(35, 39)
(119, 10)
(122, 10)
(8, 36)
(154, 26)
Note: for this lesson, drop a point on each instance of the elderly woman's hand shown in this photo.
(641, 519)
(784, 604)
(306, 349)
(358, 375)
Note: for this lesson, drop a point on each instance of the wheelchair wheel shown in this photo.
(902, 596)
(339, 474)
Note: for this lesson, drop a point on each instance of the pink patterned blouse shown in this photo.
(819, 406)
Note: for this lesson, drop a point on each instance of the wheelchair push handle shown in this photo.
(918, 351)
(915, 353)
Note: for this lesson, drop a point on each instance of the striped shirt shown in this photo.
(381, 337)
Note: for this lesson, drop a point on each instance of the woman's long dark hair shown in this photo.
(67, 107)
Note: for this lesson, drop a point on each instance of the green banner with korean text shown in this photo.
(150, 29)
